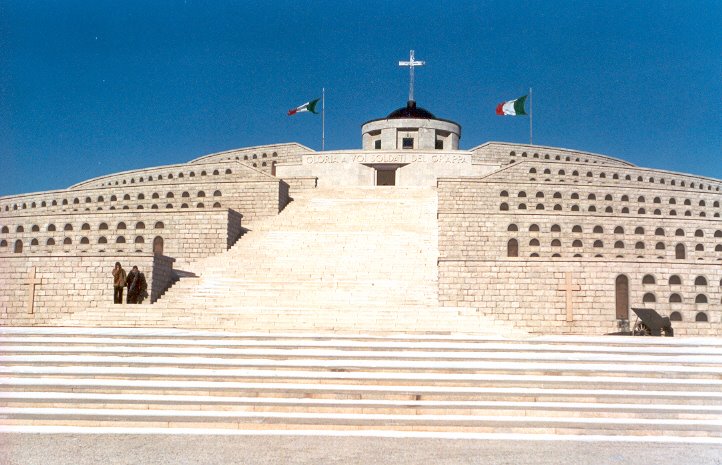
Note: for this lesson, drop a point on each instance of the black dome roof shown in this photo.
(411, 111)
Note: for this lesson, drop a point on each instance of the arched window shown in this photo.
(534, 228)
(139, 240)
(700, 299)
(619, 230)
(674, 279)
(621, 291)
(679, 232)
(522, 206)
(675, 299)
(648, 279)
(577, 243)
(534, 242)
(18, 246)
(598, 229)
(556, 243)
(50, 241)
(521, 194)
(701, 317)
(139, 225)
(679, 252)
(102, 240)
(659, 232)
(120, 240)
(201, 194)
(556, 228)
(512, 248)
(159, 225)
(158, 245)
(512, 227)
(504, 207)
(700, 281)
(639, 245)
(84, 240)
(619, 245)
(660, 246)
(649, 298)
(67, 241)
(121, 225)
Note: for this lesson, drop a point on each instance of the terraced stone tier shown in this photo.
(178, 379)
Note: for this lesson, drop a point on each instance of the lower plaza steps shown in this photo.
(96, 379)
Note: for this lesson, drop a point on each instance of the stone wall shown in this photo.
(253, 198)
(186, 234)
(508, 240)
(506, 152)
(263, 158)
(532, 293)
(65, 284)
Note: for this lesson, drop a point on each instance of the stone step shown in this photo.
(335, 390)
(169, 378)
(113, 402)
(447, 369)
(419, 422)
(590, 404)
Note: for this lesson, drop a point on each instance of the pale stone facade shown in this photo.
(547, 239)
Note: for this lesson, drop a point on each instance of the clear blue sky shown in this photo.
(94, 87)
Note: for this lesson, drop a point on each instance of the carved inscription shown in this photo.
(339, 158)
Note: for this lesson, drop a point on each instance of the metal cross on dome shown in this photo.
(411, 63)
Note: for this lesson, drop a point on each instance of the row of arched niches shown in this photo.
(120, 237)
(671, 295)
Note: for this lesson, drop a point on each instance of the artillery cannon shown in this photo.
(651, 323)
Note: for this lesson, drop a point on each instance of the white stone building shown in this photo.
(543, 239)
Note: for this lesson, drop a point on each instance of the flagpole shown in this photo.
(323, 119)
(531, 118)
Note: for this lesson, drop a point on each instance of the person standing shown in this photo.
(118, 283)
(136, 286)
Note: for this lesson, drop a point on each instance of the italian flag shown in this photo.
(512, 107)
(308, 106)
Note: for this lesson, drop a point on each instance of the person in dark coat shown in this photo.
(118, 283)
(136, 286)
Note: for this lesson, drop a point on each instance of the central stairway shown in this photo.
(344, 248)
(342, 260)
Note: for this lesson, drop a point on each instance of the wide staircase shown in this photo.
(343, 260)
(132, 380)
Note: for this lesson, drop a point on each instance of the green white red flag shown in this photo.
(512, 107)
(308, 106)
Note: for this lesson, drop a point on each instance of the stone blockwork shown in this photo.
(158, 216)
(45, 288)
(507, 153)
(512, 242)
(186, 235)
(254, 194)
(263, 158)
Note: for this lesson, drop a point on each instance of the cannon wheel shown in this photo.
(640, 329)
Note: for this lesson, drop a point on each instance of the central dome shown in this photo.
(411, 111)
